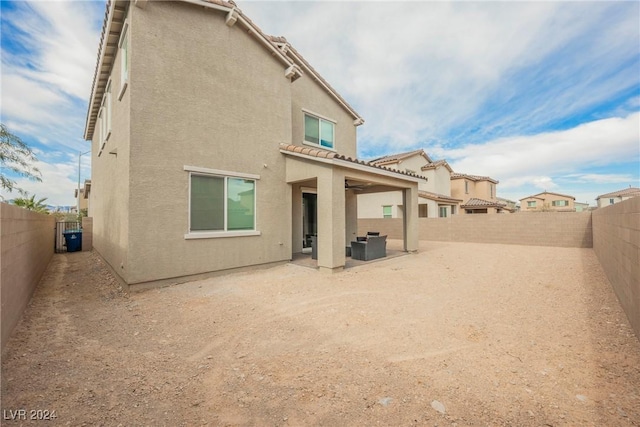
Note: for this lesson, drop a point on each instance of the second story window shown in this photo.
(318, 131)
(466, 187)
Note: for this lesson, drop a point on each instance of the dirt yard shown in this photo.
(459, 334)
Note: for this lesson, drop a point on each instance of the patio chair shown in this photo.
(375, 247)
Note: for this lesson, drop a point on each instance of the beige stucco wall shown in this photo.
(566, 229)
(27, 243)
(207, 95)
(616, 242)
(109, 195)
(458, 191)
(307, 94)
(370, 205)
(87, 234)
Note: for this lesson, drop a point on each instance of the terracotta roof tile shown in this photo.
(320, 153)
(537, 196)
(438, 197)
(436, 164)
(479, 203)
(392, 158)
(473, 177)
(627, 192)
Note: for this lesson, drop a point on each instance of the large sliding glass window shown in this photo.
(221, 203)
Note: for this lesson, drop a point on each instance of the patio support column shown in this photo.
(410, 218)
(296, 219)
(351, 212)
(331, 220)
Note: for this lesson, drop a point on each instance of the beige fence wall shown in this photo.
(26, 240)
(616, 242)
(564, 229)
(87, 234)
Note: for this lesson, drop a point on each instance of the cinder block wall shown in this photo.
(26, 240)
(616, 242)
(564, 229)
(87, 234)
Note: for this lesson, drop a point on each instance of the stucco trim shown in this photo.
(220, 172)
(216, 234)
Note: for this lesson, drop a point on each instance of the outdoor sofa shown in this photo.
(374, 247)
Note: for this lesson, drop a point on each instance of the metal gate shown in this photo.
(61, 227)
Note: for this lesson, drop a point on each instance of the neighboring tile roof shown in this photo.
(436, 164)
(627, 192)
(438, 197)
(537, 196)
(324, 154)
(479, 203)
(393, 158)
(473, 177)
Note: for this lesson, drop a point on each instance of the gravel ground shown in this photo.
(459, 334)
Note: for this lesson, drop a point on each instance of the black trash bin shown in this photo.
(73, 240)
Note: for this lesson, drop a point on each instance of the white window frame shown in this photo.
(390, 211)
(209, 234)
(320, 117)
(125, 50)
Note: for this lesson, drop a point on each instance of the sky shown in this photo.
(538, 95)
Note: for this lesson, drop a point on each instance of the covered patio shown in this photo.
(337, 180)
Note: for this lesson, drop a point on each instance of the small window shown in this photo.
(221, 203)
(611, 201)
(491, 190)
(466, 187)
(386, 211)
(318, 131)
(531, 204)
(423, 211)
(105, 115)
(559, 203)
(443, 211)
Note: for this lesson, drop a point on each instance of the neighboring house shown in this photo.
(478, 194)
(581, 207)
(84, 195)
(617, 196)
(434, 193)
(509, 205)
(548, 202)
(216, 146)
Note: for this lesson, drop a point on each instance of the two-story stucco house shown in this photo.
(617, 196)
(478, 194)
(434, 193)
(216, 147)
(548, 201)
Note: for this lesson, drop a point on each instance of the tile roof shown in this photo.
(479, 203)
(473, 177)
(393, 158)
(627, 192)
(438, 197)
(436, 164)
(537, 196)
(324, 154)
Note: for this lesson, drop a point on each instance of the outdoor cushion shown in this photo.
(375, 247)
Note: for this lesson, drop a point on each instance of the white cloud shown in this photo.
(601, 142)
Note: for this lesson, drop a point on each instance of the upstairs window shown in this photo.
(386, 211)
(443, 212)
(466, 187)
(610, 201)
(318, 131)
